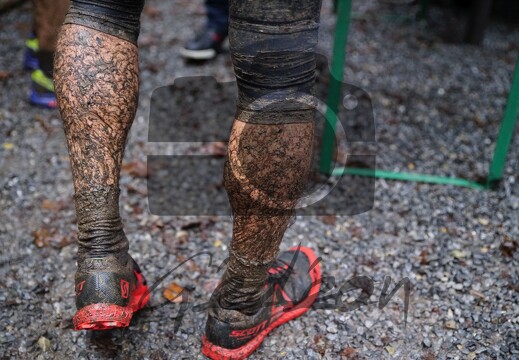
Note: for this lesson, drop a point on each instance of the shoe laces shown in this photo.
(280, 270)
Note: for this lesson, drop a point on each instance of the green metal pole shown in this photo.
(506, 131)
(334, 90)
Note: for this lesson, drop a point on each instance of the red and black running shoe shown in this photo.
(107, 293)
(294, 282)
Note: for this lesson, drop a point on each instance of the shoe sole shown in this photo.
(198, 54)
(219, 353)
(42, 101)
(110, 316)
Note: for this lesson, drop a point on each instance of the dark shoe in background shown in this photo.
(204, 46)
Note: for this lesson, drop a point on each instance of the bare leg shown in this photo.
(265, 174)
(268, 162)
(97, 88)
(97, 81)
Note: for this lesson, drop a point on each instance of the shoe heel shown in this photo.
(102, 317)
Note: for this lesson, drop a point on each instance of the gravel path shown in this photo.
(437, 107)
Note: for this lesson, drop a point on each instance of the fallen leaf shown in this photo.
(44, 343)
(450, 324)
(210, 284)
(191, 225)
(182, 236)
(48, 236)
(8, 146)
(136, 169)
(5, 75)
(153, 67)
(214, 148)
(42, 121)
(508, 247)
(349, 353)
(217, 243)
(390, 350)
(48, 204)
(458, 254)
(151, 11)
(329, 219)
(423, 257)
(137, 190)
(429, 356)
(356, 232)
(174, 293)
(483, 221)
(477, 293)
(147, 40)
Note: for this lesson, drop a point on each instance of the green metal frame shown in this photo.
(334, 93)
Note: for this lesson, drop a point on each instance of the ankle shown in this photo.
(100, 228)
(243, 286)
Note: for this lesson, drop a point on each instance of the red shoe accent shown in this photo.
(109, 316)
(219, 353)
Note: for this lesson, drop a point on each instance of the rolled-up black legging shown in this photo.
(273, 51)
(119, 18)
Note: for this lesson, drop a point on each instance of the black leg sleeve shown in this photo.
(273, 50)
(119, 18)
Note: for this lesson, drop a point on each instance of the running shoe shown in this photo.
(108, 294)
(30, 61)
(42, 92)
(293, 285)
(204, 46)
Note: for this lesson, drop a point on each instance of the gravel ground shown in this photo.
(437, 106)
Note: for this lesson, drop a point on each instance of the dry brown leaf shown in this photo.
(182, 237)
(214, 148)
(210, 284)
(174, 293)
(349, 353)
(477, 293)
(48, 236)
(508, 247)
(5, 75)
(136, 169)
(54, 205)
(137, 190)
(450, 324)
(329, 219)
(429, 356)
(423, 257)
(151, 11)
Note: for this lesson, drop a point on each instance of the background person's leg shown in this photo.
(207, 43)
(217, 16)
(48, 16)
(96, 75)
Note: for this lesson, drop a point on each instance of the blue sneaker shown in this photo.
(42, 92)
(30, 61)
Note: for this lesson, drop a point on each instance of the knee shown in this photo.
(113, 17)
